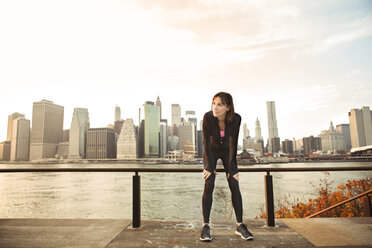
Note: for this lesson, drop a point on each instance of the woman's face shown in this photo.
(218, 108)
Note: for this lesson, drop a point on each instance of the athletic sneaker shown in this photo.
(242, 230)
(206, 233)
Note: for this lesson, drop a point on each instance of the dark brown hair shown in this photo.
(226, 100)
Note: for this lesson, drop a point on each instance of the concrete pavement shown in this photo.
(29, 233)
(325, 232)
(334, 232)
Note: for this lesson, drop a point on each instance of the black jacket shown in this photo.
(214, 144)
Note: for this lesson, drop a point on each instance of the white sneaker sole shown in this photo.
(206, 239)
(249, 238)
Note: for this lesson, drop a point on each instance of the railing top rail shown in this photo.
(341, 203)
(152, 169)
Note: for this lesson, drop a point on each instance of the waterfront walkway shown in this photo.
(316, 232)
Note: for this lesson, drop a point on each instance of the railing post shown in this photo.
(269, 193)
(136, 201)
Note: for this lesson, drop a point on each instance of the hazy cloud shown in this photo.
(311, 57)
(264, 25)
(354, 30)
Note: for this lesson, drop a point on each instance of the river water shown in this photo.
(165, 196)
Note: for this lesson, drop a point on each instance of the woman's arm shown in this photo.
(234, 146)
(206, 145)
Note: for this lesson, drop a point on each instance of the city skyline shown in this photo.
(182, 116)
(312, 59)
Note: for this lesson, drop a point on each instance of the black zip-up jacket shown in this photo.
(214, 144)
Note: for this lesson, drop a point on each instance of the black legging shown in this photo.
(234, 188)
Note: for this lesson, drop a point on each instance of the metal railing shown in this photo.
(366, 194)
(136, 223)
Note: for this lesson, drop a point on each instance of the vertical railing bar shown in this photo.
(269, 195)
(136, 215)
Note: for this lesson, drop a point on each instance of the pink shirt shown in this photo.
(222, 133)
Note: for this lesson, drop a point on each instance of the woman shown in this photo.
(220, 137)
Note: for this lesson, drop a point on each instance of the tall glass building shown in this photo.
(361, 126)
(176, 115)
(20, 140)
(149, 120)
(272, 124)
(78, 133)
(47, 129)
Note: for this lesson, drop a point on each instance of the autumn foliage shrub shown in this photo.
(326, 197)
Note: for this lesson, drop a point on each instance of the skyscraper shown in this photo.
(10, 124)
(117, 113)
(360, 127)
(187, 137)
(149, 130)
(158, 103)
(127, 147)
(272, 124)
(287, 146)
(344, 129)
(271, 118)
(275, 145)
(245, 131)
(176, 115)
(100, 143)
(47, 129)
(163, 139)
(5, 150)
(258, 131)
(20, 140)
(78, 133)
(191, 117)
(312, 143)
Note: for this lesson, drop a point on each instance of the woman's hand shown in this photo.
(206, 174)
(236, 176)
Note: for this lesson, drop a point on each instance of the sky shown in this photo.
(313, 58)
